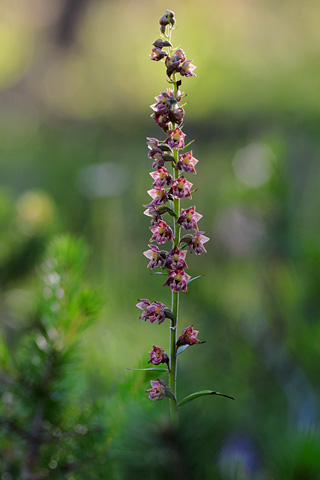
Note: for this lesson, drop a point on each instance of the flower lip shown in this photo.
(176, 259)
(181, 188)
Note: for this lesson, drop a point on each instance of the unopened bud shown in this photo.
(161, 43)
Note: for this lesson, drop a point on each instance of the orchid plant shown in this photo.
(168, 189)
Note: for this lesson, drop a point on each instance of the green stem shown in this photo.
(175, 297)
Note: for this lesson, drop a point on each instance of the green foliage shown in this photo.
(46, 430)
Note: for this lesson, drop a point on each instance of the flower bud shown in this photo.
(167, 18)
(161, 43)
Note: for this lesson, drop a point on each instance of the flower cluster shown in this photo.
(166, 192)
(168, 220)
(166, 111)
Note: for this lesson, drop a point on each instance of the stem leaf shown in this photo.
(194, 278)
(149, 369)
(182, 349)
(200, 394)
(188, 145)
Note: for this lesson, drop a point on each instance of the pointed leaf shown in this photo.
(182, 349)
(149, 369)
(158, 273)
(200, 394)
(194, 278)
(188, 144)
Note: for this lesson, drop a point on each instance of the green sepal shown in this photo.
(149, 369)
(200, 394)
(194, 278)
(170, 394)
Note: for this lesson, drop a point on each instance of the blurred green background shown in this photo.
(76, 84)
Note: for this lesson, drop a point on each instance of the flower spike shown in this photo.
(169, 190)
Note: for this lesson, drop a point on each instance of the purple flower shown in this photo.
(161, 233)
(152, 142)
(175, 138)
(180, 54)
(177, 280)
(187, 68)
(157, 156)
(174, 63)
(162, 120)
(161, 177)
(152, 212)
(158, 355)
(181, 188)
(158, 195)
(187, 162)
(179, 95)
(195, 243)
(157, 54)
(151, 311)
(176, 116)
(157, 390)
(164, 103)
(188, 218)
(155, 256)
(165, 111)
(176, 259)
(188, 337)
